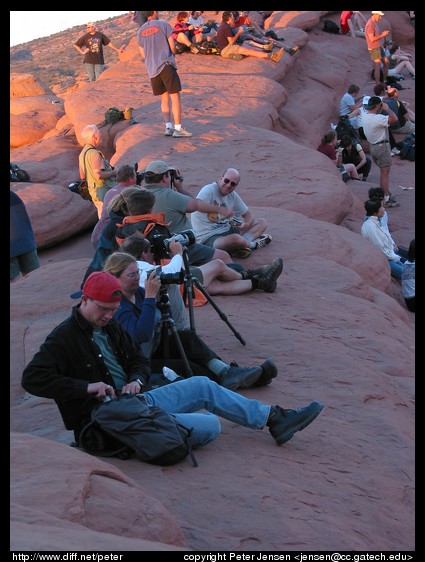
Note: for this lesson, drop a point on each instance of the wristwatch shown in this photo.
(140, 384)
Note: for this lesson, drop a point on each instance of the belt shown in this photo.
(380, 142)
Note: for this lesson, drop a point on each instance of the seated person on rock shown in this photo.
(257, 37)
(405, 117)
(408, 278)
(183, 32)
(64, 370)
(327, 147)
(139, 315)
(238, 236)
(373, 231)
(229, 48)
(352, 153)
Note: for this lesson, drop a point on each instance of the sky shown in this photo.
(26, 26)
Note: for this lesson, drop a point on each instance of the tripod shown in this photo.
(189, 281)
(164, 328)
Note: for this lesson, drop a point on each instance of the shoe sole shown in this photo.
(181, 136)
(286, 437)
(269, 373)
(169, 133)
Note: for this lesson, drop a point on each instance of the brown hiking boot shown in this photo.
(276, 56)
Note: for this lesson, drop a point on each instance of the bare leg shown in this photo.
(384, 179)
(231, 242)
(217, 287)
(377, 70)
(218, 270)
(257, 228)
(222, 255)
(165, 107)
(175, 102)
(351, 169)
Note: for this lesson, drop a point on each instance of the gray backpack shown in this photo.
(127, 426)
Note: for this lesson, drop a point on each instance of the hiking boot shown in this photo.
(237, 377)
(262, 241)
(284, 423)
(294, 50)
(268, 372)
(267, 281)
(182, 133)
(241, 253)
(276, 56)
(268, 47)
(194, 50)
(392, 202)
(168, 131)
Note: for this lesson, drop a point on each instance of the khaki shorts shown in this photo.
(230, 50)
(381, 154)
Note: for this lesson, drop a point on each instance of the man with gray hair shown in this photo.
(94, 167)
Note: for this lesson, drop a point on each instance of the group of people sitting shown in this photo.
(114, 341)
(236, 37)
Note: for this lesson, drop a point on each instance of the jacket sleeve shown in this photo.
(141, 327)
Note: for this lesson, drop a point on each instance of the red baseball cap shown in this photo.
(102, 286)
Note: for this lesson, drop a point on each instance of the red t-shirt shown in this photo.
(345, 16)
(328, 150)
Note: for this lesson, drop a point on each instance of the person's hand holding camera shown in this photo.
(152, 285)
(175, 247)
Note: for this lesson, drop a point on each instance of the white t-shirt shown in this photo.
(206, 225)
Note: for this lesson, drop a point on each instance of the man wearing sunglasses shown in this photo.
(239, 235)
(91, 46)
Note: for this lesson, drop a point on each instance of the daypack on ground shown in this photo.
(408, 148)
(127, 426)
(17, 174)
(113, 115)
(330, 26)
(344, 127)
(208, 48)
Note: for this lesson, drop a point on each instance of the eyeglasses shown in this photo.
(229, 182)
(105, 309)
(133, 274)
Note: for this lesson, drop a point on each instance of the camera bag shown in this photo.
(146, 432)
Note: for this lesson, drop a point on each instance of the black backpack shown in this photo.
(208, 48)
(330, 27)
(407, 148)
(17, 174)
(344, 127)
(151, 226)
(127, 426)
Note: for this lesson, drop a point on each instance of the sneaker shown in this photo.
(241, 253)
(276, 56)
(268, 47)
(194, 50)
(395, 151)
(262, 241)
(294, 50)
(238, 376)
(392, 202)
(168, 131)
(182, 133)
(284, 423)
(236, 57)
(267, 281)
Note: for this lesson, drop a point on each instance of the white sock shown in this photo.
(177, 127)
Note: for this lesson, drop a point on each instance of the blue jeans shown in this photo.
(396, 268)
(184, 398)
(93, 71)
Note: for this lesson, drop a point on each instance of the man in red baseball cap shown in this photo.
(89, 356)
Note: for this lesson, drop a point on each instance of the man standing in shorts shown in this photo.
(157, 48)
(376, 52)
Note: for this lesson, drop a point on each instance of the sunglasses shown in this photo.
(231, 183)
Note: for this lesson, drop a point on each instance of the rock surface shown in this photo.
(337, 326)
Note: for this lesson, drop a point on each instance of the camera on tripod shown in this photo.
(175, 278)
(161, 244)
(139, 175)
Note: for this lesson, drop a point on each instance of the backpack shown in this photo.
(330, 26)
(17, 174)
(151, 226)
(407, 148)
(208, 48)
(344, 127)
(113, 115)
(127, 426)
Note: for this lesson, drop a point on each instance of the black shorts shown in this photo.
(167, 81)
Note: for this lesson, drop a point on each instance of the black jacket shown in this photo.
(69, 359)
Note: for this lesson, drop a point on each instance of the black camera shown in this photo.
(161, 245)
(176, 278)
(139, 175)
(174, 176)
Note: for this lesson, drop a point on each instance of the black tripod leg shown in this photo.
(217, 309)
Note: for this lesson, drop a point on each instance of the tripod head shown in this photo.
(163, 303)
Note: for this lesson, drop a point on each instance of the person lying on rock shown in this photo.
(140, 314)
(90, 355)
